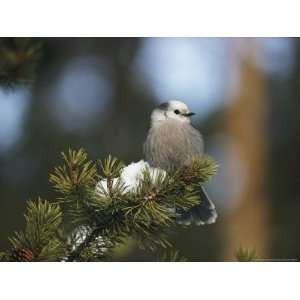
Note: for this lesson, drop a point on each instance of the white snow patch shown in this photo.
(101, 186)
(132, 173)
(130, 176)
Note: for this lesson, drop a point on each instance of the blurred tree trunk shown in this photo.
(245, 121)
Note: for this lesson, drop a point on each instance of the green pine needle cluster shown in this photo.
(43, 234)
(96, 220)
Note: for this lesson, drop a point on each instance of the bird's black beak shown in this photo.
(189, 114)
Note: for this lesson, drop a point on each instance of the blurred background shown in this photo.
(98, 93)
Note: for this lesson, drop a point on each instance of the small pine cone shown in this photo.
(19, 254)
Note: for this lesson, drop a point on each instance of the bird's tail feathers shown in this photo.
(201, 214)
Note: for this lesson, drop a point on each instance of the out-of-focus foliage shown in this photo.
(245, 255)
(172, 256)
(18, 60)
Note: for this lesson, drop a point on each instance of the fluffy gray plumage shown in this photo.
(171, 143)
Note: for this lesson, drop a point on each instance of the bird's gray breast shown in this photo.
(172, 144)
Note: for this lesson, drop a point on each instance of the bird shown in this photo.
(172, 142)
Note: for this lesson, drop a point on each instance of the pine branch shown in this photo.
(42, 239)
(147, 212)
(75, 180)
(106, 208)
(90, 238)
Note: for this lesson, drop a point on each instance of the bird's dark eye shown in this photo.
(176, 111)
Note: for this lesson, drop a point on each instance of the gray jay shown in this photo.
(171, 143)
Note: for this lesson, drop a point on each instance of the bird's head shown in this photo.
(171, 110)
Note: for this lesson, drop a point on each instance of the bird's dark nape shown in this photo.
(201, 214)
(164, 106)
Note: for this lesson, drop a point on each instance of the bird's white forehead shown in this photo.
(175, 104)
